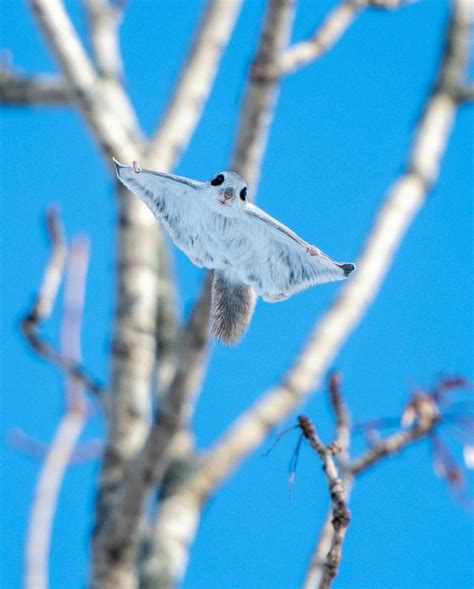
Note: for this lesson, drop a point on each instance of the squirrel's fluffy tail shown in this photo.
(232, 307)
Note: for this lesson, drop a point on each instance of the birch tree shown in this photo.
(157, 361)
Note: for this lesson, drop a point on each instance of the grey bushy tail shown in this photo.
(232, 307)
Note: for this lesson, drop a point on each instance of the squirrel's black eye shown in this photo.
(217, 181)
(243, 193)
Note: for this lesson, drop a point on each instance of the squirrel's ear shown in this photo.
(232, 308)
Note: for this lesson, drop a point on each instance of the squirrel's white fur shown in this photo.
(252, 253)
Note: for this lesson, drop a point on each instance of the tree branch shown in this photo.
(261, 94)
(104, 105)
(125, 438)
(317, 565)
(119, 535)
(44, 90)
(43, 306)
(423, 415)
(325, 36)
(194, 84)
(104, 18)
(68, 432)
(390, 445)
(341, 413)
(171, 544)
(340, 512)
(404, 200)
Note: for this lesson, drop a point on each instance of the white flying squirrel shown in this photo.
(252, 254)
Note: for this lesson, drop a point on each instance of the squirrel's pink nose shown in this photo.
(228, 193)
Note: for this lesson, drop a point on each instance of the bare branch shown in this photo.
(341, 413)
(119, 535)
(325, 36)
(43, 306)
(316, 572)
(340, 512)
(194, 84)
(422, 413)
(19, 90)
(104, 18)
(192, 355)
(402, 204)
(317, 565)
(133, 354)
(68, 432)
(129, 373)
(168, 322)
(46, 498)
(53, 272)
(19, 440)
(261, 94)
(104, 104)
(390, 445)
(73, 309)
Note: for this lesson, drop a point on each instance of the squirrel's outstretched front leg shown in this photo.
(232, 307)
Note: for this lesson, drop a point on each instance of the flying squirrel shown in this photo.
(252, 254)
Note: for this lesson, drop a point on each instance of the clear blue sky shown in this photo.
(341, 134)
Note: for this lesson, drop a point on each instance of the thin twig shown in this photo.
(317, 565)
(324, 38)
(44, 302)
(19, 440)
(73, 311)
(340, 512)
(46, 498)
(326, 35)
(341, 413)
(17, 89)
(68, 431)
(390, 445)
(425, 419)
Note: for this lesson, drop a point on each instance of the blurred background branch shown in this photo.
(61, 450)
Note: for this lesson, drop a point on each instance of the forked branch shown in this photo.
(43, 306)
(404, 200)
